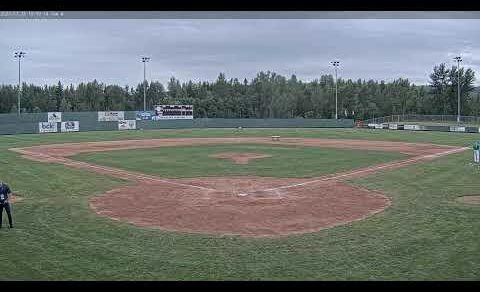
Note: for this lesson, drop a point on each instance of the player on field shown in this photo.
(476, 152)
(4, 203)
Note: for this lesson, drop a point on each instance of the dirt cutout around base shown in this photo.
(14, 199)
(239, 157)
(247, 206)
(473, 200)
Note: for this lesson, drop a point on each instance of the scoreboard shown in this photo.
(164, 112)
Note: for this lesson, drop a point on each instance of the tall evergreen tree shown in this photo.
(267, 95)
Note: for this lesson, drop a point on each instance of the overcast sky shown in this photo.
(109, 50)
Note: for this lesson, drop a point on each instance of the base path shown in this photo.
(246, 206)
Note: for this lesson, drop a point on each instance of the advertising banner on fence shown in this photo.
(111, 116)
(173, 112)
(54, 117)
(127, 124)
(457, 129)
(412, 127)
(393, 126)
(70, 126)
(144, 116)
(377, 126)
(47, 127)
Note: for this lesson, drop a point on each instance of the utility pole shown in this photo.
(458, 59)
(145, 60)
(19, 55)
(336, 64)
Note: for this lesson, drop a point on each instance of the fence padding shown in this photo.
(88, 121)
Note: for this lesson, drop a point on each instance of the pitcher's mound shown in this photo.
(239, 157)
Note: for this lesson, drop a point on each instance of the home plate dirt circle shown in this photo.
(240, 206)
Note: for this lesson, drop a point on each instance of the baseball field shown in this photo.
(229, 204)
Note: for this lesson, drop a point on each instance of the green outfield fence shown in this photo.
(28, 123)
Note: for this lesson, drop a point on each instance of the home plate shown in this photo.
(242, 195)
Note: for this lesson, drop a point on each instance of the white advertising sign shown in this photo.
(412, 127)
(111, 116)
(127, 124)
(47, 127)
(54, 117)
(457, 129)
(157, 118)
(393, 126)
(70, 126)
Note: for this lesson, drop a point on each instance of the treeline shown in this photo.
(268, 95)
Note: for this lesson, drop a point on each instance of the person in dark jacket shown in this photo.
(5, 204)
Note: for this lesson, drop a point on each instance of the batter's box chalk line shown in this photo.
(261, 194)
(275, 193)
(264, 194)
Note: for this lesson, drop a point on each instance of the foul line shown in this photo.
(70, 162)
(132, 174)
(374, 168)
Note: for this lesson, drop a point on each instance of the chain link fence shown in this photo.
(432, 119)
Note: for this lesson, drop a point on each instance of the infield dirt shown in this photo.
(246, 206)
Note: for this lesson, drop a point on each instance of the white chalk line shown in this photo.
(70, 162)
(133, 174)
(368, 169)
(326, 178)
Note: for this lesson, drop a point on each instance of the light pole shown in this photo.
(19, 55)
(336, 64)
(145, 60)
(458, 59)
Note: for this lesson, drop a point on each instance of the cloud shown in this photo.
(77, 50)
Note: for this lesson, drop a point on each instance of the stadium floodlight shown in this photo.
(458, 59)
(145, 60)
(336, 64)
(19, 55)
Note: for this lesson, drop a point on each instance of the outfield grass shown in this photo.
(424, 235)
(194, 161)
(446, 138)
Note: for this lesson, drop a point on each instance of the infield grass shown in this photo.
(424, 235)
(194, 161)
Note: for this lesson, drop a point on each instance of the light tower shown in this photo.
(336, 64)
(19, 55)
(458, 59)
(145, 61)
